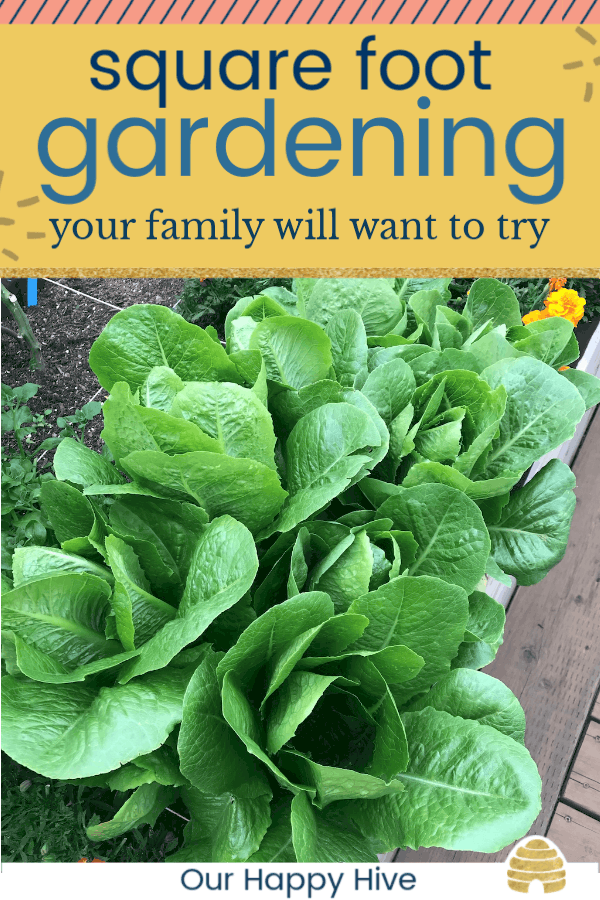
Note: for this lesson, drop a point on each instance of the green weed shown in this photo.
(206, 301)
(45, 821)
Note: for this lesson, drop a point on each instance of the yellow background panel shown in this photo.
(527, 77)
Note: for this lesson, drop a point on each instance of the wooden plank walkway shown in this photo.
(583, 786)
(577, 835)
(550, 659)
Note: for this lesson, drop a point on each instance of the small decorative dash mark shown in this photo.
(579, 63)
(31, 235)
(29, 201)
(585, 35)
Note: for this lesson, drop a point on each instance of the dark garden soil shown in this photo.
(66, 325)
(584, 332)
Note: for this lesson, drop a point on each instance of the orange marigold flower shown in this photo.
(84, 859)
(563, 368)
(555, 284)
(536, 315)
(567, 304)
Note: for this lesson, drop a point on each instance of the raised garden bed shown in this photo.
(406, 418)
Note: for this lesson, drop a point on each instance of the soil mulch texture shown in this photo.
(66, 325)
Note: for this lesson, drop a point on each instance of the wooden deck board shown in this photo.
(549, 657)
(583, 786)
(577, 835)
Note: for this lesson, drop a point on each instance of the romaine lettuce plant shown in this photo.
(272, 604)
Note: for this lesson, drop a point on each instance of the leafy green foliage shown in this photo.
(447, 786)
(17, 418)
(271, 607)
(73, 426)
(45, 821)
(146, 336)
(206, 301)
(23, 522)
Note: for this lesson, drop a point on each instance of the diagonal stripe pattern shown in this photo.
(298, 12)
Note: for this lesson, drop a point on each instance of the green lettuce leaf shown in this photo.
(213, 758)
(146, 335)
(449, 529)
(425, 614)
(588, 385)
(160, 766)
(467, 786)
(296, 352)
(33, 563)
(138, 614)
(322, 458)
(325, 835)
(63, 616)
(348, 337)
(129, 426)
(162, 532)
(75, 731)
(142, 808)
(437, 473)
(223, 829)
(473, 695)
(233, 416)
(160, 387)
(491, 300)
(451, 761)
(264, 640)
(531, 535)
(78, 464)
(542, 411)
(390, 387)
(242, 488)
(373, 299)
(223, 567)
(347, 576)
(277, 844)
(292, 703)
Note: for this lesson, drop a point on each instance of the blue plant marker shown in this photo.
(32, 291)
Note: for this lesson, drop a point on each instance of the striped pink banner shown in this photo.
(485, 12)
(299, 12)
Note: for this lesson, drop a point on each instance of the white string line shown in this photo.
(89, 297)
(96, 300)
(168, 809)
(105, 303)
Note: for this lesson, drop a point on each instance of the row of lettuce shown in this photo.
(272, 603)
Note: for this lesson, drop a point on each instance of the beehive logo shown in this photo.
(536, 860)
